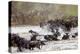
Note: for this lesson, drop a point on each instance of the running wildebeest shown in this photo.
(75, 35)
(33, 38)
(48, 37)
(36, 44)
(35, 34)
(55, 35)
(16, 41)
(51, 37)
(65, 37)
(13, 40)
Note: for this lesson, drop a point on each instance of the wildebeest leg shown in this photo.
(38, 47)
(43, 43)
(32, 48)
(19, 48)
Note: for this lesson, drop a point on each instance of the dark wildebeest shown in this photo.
(23, 44)
(55, 37)
(35, 34)
(36, 44)
(65, 37)
(33, 38)
(75, 35)
(16, 41)
(56, 34)
(13, 40)
(29, 44)
(48, 37)
(51, 37)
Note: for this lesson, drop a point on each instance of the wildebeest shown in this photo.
(51, 37)
(57, 32)
(55, 37)
(65, 37)
(16, 41)
(13, 40)
(33, 38)
(23, 44)
(33, 32)
(48, 37)
(36, 44)
(34, 35)
(75, 35)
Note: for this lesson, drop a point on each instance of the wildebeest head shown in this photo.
(30, 31)
(33, 32)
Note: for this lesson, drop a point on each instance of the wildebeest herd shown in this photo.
(16, 41)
